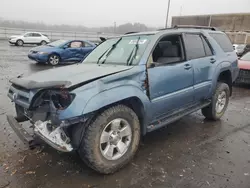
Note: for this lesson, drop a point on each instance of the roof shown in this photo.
(190, 28)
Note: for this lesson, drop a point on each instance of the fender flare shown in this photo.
(224, 66)
(114, 95)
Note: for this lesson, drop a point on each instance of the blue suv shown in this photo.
(126, 87)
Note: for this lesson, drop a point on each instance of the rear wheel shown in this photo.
(54, 59)
(43, 42)
(219, 102)
(111, 139)
(19, 43)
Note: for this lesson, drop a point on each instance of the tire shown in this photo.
(19, 42)
(43, 42)
(94, 154)
(54, 59)
(219, 103)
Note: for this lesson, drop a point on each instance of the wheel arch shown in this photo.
(226, 77)
(223, 73)
(55, 53)
(130, 96)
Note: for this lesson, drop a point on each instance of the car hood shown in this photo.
(67, 76)
(244, 64)
(15, 36)
(44, 48)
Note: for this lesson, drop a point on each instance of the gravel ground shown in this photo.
(190, 153)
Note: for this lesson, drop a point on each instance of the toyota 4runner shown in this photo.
(126, 87)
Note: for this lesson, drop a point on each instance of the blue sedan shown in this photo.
(61, 51)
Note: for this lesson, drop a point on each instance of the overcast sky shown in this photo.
(94, 13)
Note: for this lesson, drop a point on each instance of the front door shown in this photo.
(170, 77)
(73, 51)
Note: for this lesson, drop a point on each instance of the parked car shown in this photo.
(241, 49)
(61, 51)
(29, 38)
(244, 65)
(126, 87)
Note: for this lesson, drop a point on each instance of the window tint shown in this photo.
(85, 44)
(28, 35)
(207, 47)
(223, 41)
(168, 50)
(194, 46)
(36, 35)
(76, 44)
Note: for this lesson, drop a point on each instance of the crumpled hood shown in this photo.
(67, 76)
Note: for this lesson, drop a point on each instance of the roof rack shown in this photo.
(195, 27)
(130, 32)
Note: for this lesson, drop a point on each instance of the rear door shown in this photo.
(37, 38)
(200, 56)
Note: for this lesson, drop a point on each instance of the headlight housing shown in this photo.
(42, 53)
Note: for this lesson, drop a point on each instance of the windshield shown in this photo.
(246, 57)
(119, 53)
(57, 43)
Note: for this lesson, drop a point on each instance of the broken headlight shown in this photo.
(62, 100)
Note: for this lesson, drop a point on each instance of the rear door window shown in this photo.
(194, 46)
(207, 47)
(223, 41)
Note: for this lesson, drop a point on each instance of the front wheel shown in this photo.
(111, 139)
(219, 102)
(19, 43)
(54, 59)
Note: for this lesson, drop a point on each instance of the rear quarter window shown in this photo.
(223, 41)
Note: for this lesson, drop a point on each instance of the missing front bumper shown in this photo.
(56, 138)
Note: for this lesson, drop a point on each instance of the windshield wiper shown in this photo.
(102, 56)
(130, 60)
(111, 49)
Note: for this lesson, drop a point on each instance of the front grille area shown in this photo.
(243, 77)
(19, 95)
(244, 73)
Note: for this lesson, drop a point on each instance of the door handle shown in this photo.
(212, 60)
(187, 66)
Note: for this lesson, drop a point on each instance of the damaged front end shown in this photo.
(42, 109)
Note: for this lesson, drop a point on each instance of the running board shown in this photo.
(175, 116)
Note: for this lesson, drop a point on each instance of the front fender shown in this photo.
(115, 95)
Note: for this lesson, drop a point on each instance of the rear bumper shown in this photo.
(53, 138)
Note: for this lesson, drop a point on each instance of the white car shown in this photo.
(29, 38)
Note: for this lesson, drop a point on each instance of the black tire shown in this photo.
(51, 59)
(19, 42)
(43, 42)
(210, 111)
(90, 147)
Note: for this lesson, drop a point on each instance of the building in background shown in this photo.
(237, 25)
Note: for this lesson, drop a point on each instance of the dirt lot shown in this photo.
(190, 153)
